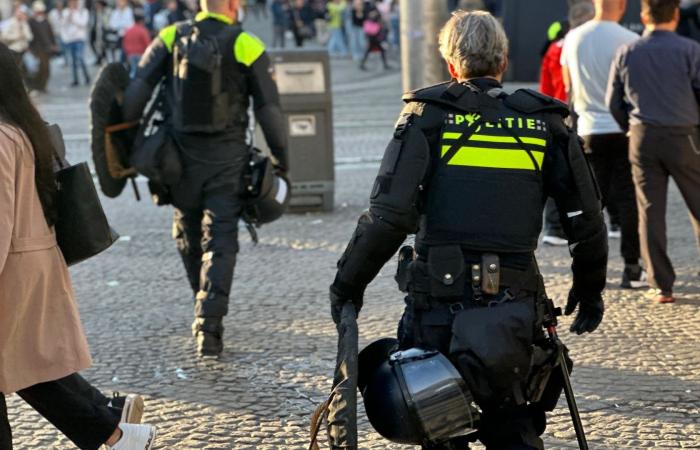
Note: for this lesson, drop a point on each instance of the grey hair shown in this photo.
(581, 13)
(475, 43)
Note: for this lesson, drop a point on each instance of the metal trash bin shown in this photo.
(303, 80)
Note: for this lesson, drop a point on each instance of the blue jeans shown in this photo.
(133, 64)
(336, 43)
(357, 42)
(77, 54)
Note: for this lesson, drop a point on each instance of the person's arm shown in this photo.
(250, 52)
(564, 62)
(569, 181)
(393, 212)
(152, 69)
(546, 81)
(695, 71)
(8, 169)
(615, 95)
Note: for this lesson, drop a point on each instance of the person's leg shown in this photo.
(81, 59)
(72, 406)
(73, 49)
(364, 58)
(382, 52)
(651, 184)
(684, 164)
(187, 232)
(42, 77)
(222, 211)
(517, 428)
(5, 430)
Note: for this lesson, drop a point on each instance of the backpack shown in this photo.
(202, 101)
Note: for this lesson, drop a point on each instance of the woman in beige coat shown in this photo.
(42, 345)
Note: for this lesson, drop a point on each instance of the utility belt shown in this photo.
(497, 343)
(445, 274)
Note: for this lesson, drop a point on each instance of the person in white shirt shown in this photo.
(55, 18)
(16, 33)
(75, 21)
(586, 59)
(120, 20)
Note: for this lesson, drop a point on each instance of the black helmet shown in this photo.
(267, 193)
(414, 396)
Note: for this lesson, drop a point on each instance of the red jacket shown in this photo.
(551, 81)
(136, 40)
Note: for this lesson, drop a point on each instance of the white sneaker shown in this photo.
(131, 407)
(135, 437)
(554, 240)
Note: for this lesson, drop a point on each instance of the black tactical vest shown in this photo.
(208, 91)
(486, 188)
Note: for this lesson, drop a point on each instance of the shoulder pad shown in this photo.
(449, 94)
(530, 101)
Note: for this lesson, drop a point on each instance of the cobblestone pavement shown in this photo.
(637, 378)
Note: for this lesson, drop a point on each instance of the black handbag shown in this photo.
(82, 230)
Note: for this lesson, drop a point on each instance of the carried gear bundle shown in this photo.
(415, 396)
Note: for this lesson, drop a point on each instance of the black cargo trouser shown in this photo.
(511, 428)
(657, 153)
(207, 239)
(608, 155)
(73, 406)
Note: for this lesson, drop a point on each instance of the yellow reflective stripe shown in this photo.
(508, 139)
(496, 158)
(248, 49)
(210, 15)
(448, 135)
(444, 150)
(167, 35)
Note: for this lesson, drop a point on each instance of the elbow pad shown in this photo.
(400, 179)
(136, 96)
(371, 246)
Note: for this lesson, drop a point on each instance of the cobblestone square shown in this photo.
(637, 378)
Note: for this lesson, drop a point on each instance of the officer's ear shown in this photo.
(452, 70)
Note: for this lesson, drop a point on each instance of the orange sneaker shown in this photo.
(663, 298)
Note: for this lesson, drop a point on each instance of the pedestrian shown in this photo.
(43, 45)
(654, 91)
(301, 19)
(356, 34)
(99, 26)
(42, 344)
(209, 123)
(169, 15)
(336, 42)
(75, 23)
(280, 22)
(395, 22)
(375, 32)
(135, 43)
(586, 59)
(121, 19)
(508, 152)
(552, 84)
(17, 35)
(56, 20)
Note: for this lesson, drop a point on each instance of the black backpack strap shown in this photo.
(529, 101)
(451, 95)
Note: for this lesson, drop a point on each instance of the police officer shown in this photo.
(468, 170)
(210, 69)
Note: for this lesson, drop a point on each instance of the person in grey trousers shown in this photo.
(654, 92)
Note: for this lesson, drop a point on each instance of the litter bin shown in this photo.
(303, 80)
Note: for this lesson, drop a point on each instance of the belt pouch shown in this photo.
(447, 271)
(490, 273)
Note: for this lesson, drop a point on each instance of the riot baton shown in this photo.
(550, 322)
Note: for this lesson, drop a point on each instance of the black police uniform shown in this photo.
(468, 171)
(211, 136)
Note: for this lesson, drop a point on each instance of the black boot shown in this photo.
(208, 333)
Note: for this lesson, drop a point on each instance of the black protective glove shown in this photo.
(338, 300)
(590, 311)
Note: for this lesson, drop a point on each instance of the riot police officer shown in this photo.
(468, 170)
(210, 68)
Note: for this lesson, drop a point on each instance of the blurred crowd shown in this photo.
(115, 30)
